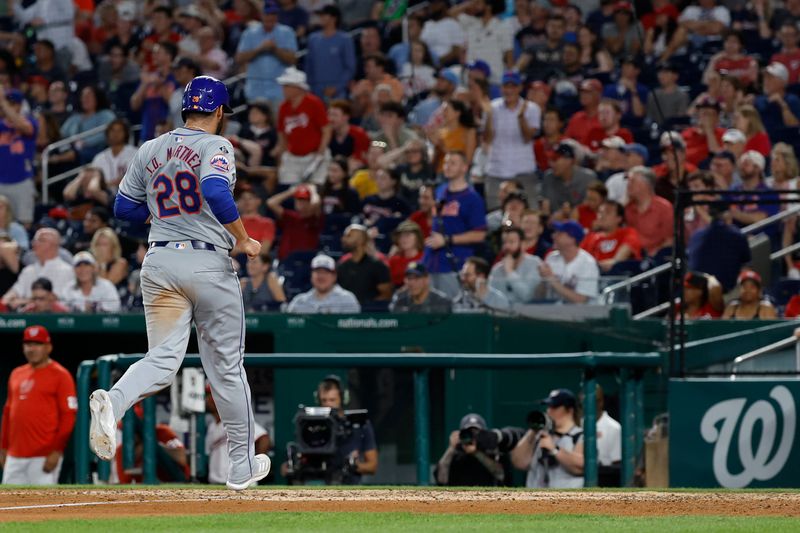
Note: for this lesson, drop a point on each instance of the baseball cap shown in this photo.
(668, 66)
(749, 275)
(571, 228)
(355, 227)
(36, 334)
(302, 192)
(324, 262)
(83, 257)
(192, 11)
(672, 139)
(511, 77)
(733, 136)
(708, 102)
(695, 280)
(623, 6)
(416, 269)
(15, 95)
(472, 420)
(592, 84)
(638, 149)
(560, 397)
(331, 10)
(516, 195)
(754, 157)
(271, 7)
(778, 70)
(565, 150)
(615, 142)
(541, 86)
(407, 226)
(725, 154)
(481, 65)
(449, 75)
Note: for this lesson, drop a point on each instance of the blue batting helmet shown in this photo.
(205, 94)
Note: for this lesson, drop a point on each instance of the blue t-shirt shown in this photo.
(769, 209)
(615, 91)
(154, 110)
(721, 250)
(461, 212)
(772, 116)
(17, 153)
(263, 71)
(330, 62)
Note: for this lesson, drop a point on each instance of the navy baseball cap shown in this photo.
(638, 149)
(481, 65)
(511, 77)
(565, 150)
(271, 7)
(559, 398)
(472, 420)
(416, 269)
(570, 227)
(15, 95)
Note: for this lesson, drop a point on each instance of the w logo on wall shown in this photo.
(751, 443)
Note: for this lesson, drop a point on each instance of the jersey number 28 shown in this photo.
(189, 201)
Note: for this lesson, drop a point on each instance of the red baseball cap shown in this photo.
(592, 84)
(751, 275)
(302, 193)
(36, 334)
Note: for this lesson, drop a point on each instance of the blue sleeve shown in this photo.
(130, 210)
(476, 217)
(349, 52)
(220, 199)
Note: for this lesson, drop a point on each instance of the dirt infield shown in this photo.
(36, 504)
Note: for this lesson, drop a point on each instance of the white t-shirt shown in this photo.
(581, 274)
(103, 297)
(487, 42)
(441, 36)
(509, 153)
(58, 271)
(609, 440)
(114, 166)
(697, 13)
(217, 450)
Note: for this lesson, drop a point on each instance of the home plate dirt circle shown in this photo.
(39, 504)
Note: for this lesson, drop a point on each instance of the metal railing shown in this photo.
(764, 350)
(607, 296)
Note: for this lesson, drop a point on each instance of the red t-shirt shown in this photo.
(706, 311)
(580, 125)
(361, 143)
(697, 144)
(738, 68)
(760, 143)
(398, 265)
(596, 136)
(604, 246)
(299, 234)
(303, 124)
(259, 228)
(791, 62)
(545, 152)
(586, 216)
(166, 437)
(422, 221)
(40, 411)
(654, 225)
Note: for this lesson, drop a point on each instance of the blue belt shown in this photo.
(197, 245)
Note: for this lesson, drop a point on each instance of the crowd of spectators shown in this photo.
(410, 156)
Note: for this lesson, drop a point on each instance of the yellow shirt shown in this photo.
(364, 184)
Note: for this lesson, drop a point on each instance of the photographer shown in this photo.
(469, 461)
(355, 451)
(552, 451)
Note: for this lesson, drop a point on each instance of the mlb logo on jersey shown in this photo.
(221, 163)
(180, 245)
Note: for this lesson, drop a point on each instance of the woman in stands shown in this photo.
(748, 121)
(734, 61)
(751, 304)
(94, 112)
(261, 290)
(106, 249)
(337, 197)
(458, 133)
(702, 297)
(418, 74)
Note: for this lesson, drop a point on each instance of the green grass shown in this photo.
(405, 522)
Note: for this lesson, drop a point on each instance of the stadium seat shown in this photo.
(296, 272)
(784, 289)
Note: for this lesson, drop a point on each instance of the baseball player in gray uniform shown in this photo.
(183, 181)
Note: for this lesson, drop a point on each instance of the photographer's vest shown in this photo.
(556, 476)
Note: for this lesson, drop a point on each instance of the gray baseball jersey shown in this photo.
(182, 286)
(167, 172)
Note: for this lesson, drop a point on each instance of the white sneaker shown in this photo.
(262, 464)
(103, 427)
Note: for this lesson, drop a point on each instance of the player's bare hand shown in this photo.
(51, 462)
(251, 247)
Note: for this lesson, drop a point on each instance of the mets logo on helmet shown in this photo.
(195, 98)
(221, 163)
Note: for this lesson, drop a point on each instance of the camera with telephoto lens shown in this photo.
(538, 421)
(491, 441)
(319, 434)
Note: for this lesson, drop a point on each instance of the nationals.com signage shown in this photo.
(734, 434)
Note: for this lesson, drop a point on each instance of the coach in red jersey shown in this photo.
(612, 242)
(38, 416)
(303, 132)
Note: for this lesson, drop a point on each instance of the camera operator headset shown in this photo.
(359, 448)
(553, 454)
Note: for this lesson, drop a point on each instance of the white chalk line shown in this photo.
(86, 504)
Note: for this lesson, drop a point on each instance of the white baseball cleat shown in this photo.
(103, 427)
(262, 464)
